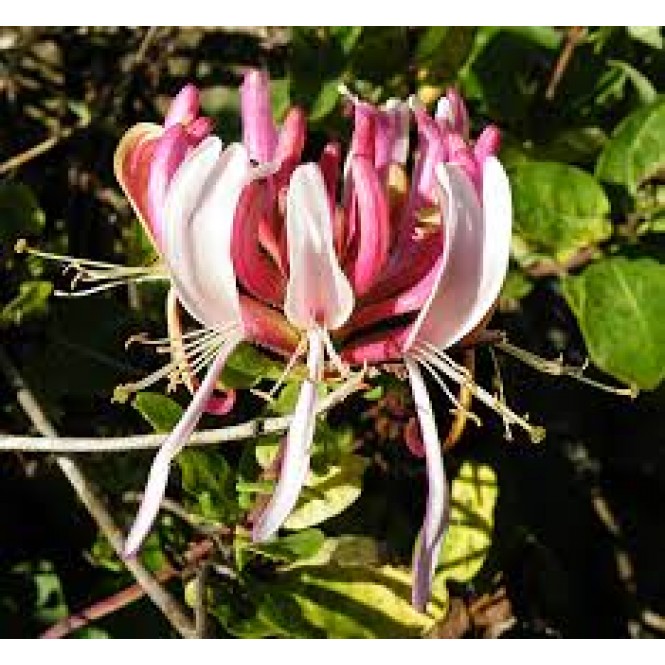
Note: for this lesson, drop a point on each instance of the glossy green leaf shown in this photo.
(346, 602)
(619, 304)
(160, 411)
(246, 366)
(473, 499)
(31, 301)
(336, 489)
(210, 481)
(636, 151)
(558, 209)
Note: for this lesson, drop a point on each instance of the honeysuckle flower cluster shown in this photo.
(383, 254)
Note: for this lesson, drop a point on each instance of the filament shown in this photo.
(442, 362)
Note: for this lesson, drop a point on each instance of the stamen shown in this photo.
(197, 353)
(101, 274)
(558, 368)
(422, 359)
(498, 382)
(341, 366)
(344, 91)
(446, 365)
(288, 368)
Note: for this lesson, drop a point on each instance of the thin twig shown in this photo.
(89, 496)
(200, 609)
(257, 427)
(122, 599)
(573, 38)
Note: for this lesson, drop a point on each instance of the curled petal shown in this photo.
(169, 153)
(437, 509)
(377, 347)
(297, 451)
(199, 129)
(259, 134)
(184, 107)
(329, 163)
(159, 471)
(373, 232)
(392, 134)
(459, 116)
(255, 270)
(475, 255)
(200, 209)
(131, 164)
(268, 327)
(318, 292)
(488, 144)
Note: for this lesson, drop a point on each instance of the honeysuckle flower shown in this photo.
(356, 259)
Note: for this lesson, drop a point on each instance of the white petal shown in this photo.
(317, 292)
(297, 451)
(200, 209)
(426, 555)
(476, 252)
(173, 444)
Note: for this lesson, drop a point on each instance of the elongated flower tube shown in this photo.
(199, 212)
(318, 299)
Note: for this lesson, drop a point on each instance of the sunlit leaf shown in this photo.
(619, 304)
(636, 151)
(558, 209)
(473, 498)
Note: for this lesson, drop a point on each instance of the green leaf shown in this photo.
(292, 547)
(160, 411)
(20, 213)
(246, 366)
(559, 209)
(473, 498)
(346, 602)
(31, 301)
(619, 304)
(337, 488)
(636, 151)
(647, 34)
(211, 482)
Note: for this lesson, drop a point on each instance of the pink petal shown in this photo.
(318, 292)
(268, 327)
(408, 300)
(259, 133)
(198, 130)
(438, 501)
(184, 107)
(131, 164)
(297, 451)
(377, 347)
(488, 144)
(174, 443)
(255, 270)
(392, 135)
(170, 151)
(373, 233)
(329, 163)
